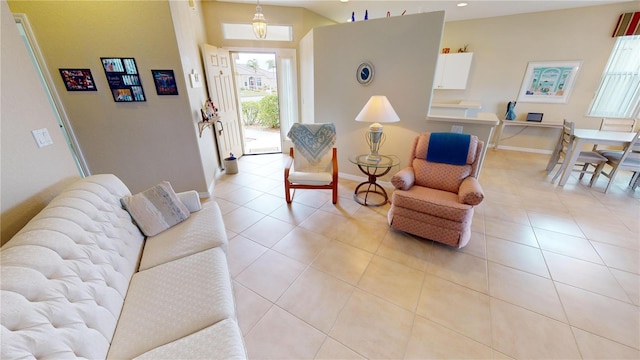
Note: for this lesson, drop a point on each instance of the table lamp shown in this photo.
(377, 110)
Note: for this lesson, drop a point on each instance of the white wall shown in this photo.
(503, 46)
(30, 176)
(403, 51)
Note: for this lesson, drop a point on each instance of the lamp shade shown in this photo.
(378, 110)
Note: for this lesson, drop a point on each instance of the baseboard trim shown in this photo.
(523, 149)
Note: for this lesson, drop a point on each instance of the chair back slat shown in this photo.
(621, 125)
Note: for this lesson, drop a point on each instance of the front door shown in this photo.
(222, 93)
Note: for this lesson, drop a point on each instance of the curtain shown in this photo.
(628, 24)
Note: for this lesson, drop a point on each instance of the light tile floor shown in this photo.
(550, 272)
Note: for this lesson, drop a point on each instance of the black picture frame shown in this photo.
(123, 78)
(78, 79)
(165, 82)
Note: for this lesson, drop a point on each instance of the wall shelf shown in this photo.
(207, 124)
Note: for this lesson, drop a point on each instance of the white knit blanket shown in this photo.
(313, 140)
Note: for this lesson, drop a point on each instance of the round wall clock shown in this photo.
(364, 74)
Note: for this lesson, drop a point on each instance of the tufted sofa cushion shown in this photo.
(172, 300)
(66, 273)
(201, 232)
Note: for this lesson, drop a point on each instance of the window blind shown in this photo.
(619, 92)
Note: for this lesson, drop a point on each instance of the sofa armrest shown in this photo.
(404, 179)
(190, 199)
(470, 192)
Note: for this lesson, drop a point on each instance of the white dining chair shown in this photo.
(585, 158)
(629, 159)
(618, 125)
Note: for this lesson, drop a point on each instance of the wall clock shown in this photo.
(364, 74)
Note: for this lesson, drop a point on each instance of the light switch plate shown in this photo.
(42, 137)
(196, 81)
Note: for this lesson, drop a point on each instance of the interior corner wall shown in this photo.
(503, 46)
(189, 27)
(404, 51)
(142, 143)
(30, 176)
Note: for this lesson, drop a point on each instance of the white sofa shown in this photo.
(81, 280)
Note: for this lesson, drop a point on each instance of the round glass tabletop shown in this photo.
(381, 161)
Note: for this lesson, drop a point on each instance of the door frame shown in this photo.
(57, 107)
(282, 102)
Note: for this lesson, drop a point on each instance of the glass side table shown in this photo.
(373, 170)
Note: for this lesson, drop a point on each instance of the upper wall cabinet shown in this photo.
(452, 71)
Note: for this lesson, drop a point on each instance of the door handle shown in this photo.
(221, 127)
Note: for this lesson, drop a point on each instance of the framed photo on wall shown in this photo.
(78, 79)
(165, 82)
(124, 79)
(548, 81)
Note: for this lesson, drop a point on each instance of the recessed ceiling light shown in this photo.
(462, 4)
(344, 0)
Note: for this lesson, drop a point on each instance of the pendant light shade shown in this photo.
(259, 23)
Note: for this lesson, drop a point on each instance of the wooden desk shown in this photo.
(582, 137)
(532, 124)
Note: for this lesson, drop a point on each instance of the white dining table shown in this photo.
(581, 137)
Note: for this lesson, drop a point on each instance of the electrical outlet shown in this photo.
(42, 137)
(456, 129)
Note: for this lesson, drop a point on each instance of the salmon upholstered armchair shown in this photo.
(435, 195)
(313, 162)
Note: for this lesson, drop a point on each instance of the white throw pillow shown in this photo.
(156, 209)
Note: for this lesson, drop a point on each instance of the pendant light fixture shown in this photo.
(259, 23)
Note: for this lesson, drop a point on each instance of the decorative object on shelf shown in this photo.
(463, 49)
(259, 23)
(78, 79)
(548, 81)
(209, 110)
(510, 115)
(353, 16)
(377, 110)
(165, 82)
(366, 14)
(364, 73)
(123, 78)
(446, 50)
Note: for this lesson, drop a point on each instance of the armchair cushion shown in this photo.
(442, 204)
(440, 176)
(470, 192)
(403, 179)
(310, 178)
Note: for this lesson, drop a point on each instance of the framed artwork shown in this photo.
(78, 79)
(124, 79)
(165, 82)
(549, 81)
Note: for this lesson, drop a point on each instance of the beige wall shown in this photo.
(403, 51)
(188, 23)
(30, 176)
(143, 143)
(503, 46)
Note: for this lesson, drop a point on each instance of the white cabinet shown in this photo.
(452, 71)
